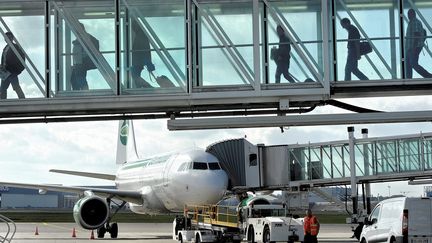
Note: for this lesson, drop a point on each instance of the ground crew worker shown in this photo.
(311, 227)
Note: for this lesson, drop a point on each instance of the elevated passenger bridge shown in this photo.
(379, 159)
(208, 56)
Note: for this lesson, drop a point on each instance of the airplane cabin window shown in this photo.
(214, 166)
(199, 166)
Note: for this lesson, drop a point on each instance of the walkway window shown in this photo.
(376, 23)
(26, 22)
(153, 47)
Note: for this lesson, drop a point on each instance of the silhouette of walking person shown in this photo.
(353, 51)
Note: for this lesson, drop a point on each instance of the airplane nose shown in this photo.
(216, 185)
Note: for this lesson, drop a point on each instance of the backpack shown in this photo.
(87, 62)
(13, 64)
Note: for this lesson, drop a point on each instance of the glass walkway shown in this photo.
(376, 159)
(118, 56)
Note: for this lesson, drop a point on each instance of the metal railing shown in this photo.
(11, 229)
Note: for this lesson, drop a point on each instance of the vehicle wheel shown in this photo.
(101, 232)
(266, 235)
(114, 230)
(180, 238)
(392, 240)
(363, 240)
(251, 235)
(198, 239)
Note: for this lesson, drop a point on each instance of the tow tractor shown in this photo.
(254, 220)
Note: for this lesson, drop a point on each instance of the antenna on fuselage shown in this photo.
(126, 144)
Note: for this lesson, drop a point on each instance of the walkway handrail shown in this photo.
(9, 236)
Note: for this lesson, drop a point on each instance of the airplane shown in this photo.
(159, 184)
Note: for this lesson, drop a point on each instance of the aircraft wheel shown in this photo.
(101, 232)
(114, 230)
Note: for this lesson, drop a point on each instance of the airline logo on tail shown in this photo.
(124, 132)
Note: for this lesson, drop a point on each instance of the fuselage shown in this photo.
(168, 183)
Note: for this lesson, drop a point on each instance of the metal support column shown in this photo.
(367, 172)
(117, 46)
(256, 46)
(353, 171)
(47, 49)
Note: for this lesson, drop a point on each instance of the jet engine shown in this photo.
(91, 212)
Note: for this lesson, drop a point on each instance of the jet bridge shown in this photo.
(213, 68)
(300, 167)
(296, 166)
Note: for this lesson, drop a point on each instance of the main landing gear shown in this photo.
(112, 229)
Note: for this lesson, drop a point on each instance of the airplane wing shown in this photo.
(86, 174)
(129, 196)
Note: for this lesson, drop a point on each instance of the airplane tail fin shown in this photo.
(126, 147)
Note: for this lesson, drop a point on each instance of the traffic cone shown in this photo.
(92, 235)
(73, 233)
(37, 231)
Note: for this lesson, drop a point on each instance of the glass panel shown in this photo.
(409, 155)
(86, 47)
(298, 164)
(417, 30)
(153, 47)
(26, 23)
(427, 146)
(338, 162)
(327, 161)
(386, 157)
(316, 165)
(226, 53)
(288, 64)
(377, 23)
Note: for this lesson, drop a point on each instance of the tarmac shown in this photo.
(135, 232)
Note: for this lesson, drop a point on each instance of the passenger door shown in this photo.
(371, 231)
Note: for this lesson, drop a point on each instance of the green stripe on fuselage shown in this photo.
(145, 162)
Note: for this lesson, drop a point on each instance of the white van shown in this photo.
(402, 219)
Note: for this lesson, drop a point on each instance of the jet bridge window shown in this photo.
(214, 166)
(200, 166)
(253, 160)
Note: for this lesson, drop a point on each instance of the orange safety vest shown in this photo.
(310, 225)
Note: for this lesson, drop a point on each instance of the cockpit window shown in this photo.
(199, 166)
(184, 167)
(214, 166)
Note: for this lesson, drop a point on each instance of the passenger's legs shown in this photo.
(4, 86)
(419, 69)
(16, 86)
(350, 64)
(282, 68)
(137, 79)
(409, 55)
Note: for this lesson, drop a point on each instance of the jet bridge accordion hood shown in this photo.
(232, 157)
